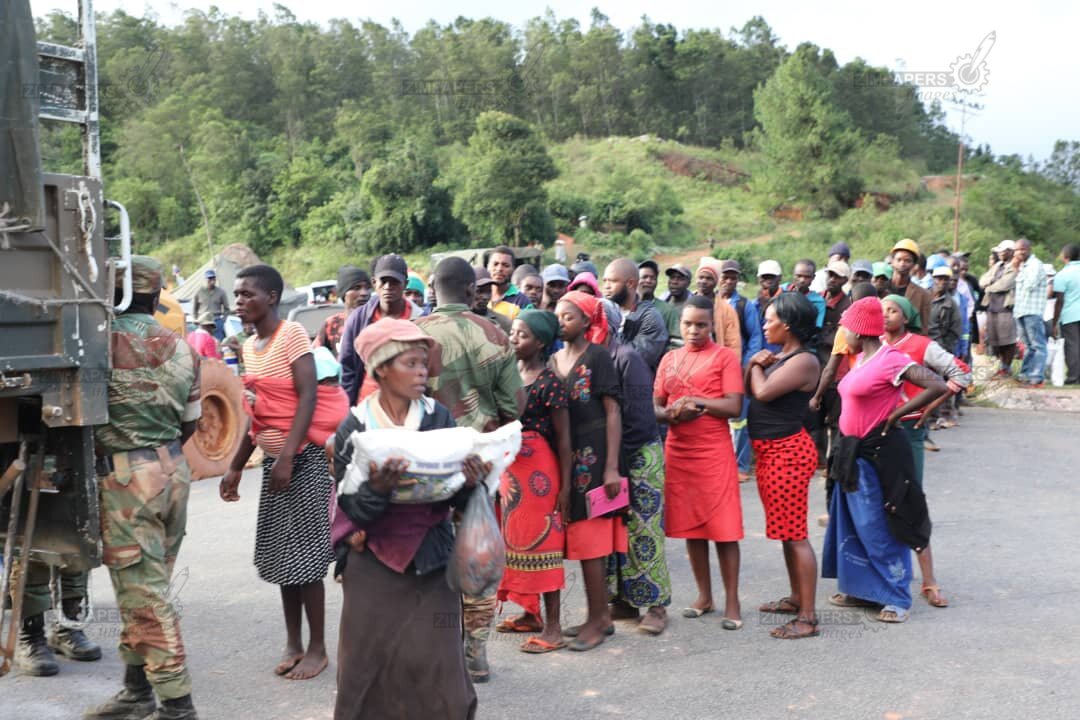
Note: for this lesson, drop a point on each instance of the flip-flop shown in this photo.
(929, 591)
(574, 630)
(577, 645)
(848, 601)
(893, 614)
(516, 625)
(538, 646)
(285, 666)
(693, 612)
(729, 624)
(783, 606)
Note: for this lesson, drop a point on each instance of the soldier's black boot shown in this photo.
(70, 643)
(177, 709)
(32, 653)
(134, 702)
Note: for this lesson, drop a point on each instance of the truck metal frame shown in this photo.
(56, 304)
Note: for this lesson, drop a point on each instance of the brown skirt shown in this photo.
(401, 653)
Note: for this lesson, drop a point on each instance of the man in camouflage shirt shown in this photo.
(144, 483)
(480, 384)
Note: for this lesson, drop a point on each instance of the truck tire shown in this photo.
(222, 425)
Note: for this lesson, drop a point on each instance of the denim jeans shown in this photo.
(1032, 332)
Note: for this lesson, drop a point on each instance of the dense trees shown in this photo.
(292, 132)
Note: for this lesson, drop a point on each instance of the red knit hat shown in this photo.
(864, 317)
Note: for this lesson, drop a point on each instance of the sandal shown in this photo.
(574, 630)
(537, 646)
(933, 596)
(850, 601)
(783, 606)
(788, 630)
(517, 625)
(893, 614)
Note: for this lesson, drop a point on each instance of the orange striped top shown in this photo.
(288, 343)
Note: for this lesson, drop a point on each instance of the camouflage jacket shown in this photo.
(479, 380)
(153, 386)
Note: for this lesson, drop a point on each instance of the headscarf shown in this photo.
(913, 319)
(588, 280)
(382, 341)
(597, 331)
(542, 323)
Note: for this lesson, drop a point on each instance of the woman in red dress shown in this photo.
(698, 387)
(529, 492)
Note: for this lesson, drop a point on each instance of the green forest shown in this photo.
(314, 144)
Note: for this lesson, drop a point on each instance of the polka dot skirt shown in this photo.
(784, 469)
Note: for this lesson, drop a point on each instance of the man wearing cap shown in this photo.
(505, 297)
(214, 300)
(556, 279)
(881, 277)
(201, 339)
(861, 271)
(752, 340)
(354, 290)
(678, 282)
(826, 426)
(154, 403)
(1066, 321)
(1028, 310)
(905, 256)
(769, 273)
(839, 251)
(642, 326)
(482, 298)
(999, 295)
(945, 320)
(480, 384)
(390, 274)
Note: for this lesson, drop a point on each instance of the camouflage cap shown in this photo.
(146, 275)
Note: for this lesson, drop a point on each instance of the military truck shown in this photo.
(56, 302)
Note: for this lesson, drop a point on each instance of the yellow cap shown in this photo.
(908, 244)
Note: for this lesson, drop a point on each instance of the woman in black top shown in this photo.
(780, 386)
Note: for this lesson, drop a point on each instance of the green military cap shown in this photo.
(146, 275)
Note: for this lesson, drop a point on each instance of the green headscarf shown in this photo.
(543, 324)
(914, 320)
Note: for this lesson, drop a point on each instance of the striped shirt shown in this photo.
(288, 343)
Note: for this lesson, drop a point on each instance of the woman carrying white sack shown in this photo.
(400, 653)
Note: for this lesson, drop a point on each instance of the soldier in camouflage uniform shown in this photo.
(144, 483)
(480, 384)
(34, 653)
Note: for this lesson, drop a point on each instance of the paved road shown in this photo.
(1004, 503)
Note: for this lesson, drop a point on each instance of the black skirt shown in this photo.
(292, 533)
(400, 653)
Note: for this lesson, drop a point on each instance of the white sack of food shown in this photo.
(435, 459)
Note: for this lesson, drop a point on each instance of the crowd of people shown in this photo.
(673, 399)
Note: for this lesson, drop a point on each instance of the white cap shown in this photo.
(1004, 245)
(839, 268)
(770, 267)
(942, 271)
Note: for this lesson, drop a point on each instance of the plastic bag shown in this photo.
(435, 458)
(479, 556)
(1055, 348)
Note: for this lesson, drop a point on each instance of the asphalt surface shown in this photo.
(1003, 499)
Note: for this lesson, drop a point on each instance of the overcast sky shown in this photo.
(1031, 97)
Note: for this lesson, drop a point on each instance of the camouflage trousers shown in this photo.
(143, 518)
(38, 597)
(477, 614)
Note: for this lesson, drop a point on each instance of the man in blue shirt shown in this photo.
(1067, 310)
(752, 341)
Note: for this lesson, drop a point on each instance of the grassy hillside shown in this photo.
(706, 196)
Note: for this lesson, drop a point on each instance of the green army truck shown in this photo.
(56, 303)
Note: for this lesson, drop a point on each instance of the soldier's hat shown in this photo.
(146, 275)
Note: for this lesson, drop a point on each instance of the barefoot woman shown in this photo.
(698, 387)
(532, 521)
(586, 369)
(780, 386)
(292, 533)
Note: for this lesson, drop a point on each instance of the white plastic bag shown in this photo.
(1055, 358)
(435, 459)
